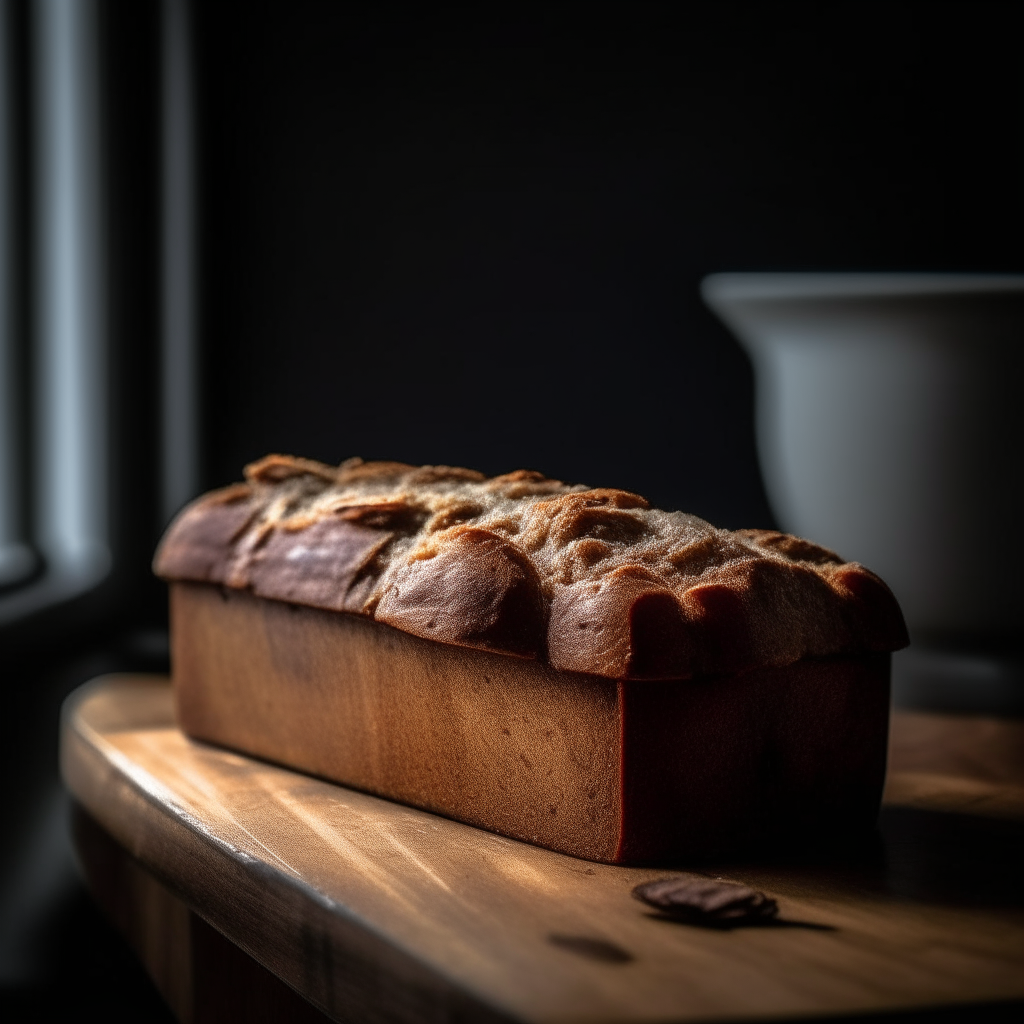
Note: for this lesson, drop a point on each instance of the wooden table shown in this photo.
(374, 911)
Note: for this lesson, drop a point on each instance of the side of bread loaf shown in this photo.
(621, 771)
(585, 580)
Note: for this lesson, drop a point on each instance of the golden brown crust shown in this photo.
(588, 580)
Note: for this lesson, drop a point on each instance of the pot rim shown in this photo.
(725, 289)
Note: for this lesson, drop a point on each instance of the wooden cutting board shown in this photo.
(372, 910)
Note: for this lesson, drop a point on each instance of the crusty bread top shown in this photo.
(589, 580)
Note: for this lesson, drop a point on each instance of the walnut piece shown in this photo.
(707, 901)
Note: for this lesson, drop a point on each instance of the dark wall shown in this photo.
(476, 237)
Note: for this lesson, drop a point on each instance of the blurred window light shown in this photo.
(70, 364)
(68, 361)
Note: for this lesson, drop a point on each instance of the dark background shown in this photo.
(475, 237)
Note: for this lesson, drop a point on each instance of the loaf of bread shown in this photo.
(562, 664)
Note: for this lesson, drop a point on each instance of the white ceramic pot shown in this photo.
(889, 427)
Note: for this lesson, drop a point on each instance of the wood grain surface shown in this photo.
(375, 911)
(957, 763)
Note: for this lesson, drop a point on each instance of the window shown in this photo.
(55, 420)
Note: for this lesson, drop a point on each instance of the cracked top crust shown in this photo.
(586, 579)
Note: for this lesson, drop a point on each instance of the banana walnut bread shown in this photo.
(561, 664)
